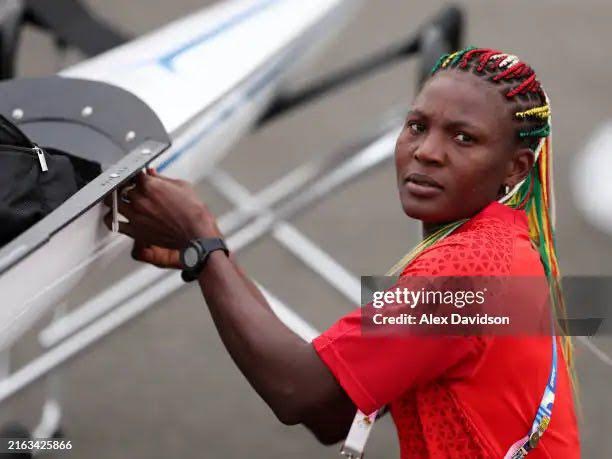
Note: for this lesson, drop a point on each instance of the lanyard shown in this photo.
(357, 437)
(521, 448)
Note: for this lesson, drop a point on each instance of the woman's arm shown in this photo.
(164, 214)
(284, 370)
(249, 283)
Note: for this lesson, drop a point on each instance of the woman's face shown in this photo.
(456, 150)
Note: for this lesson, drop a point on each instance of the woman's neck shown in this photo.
(429, 228)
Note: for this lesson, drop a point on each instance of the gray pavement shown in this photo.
(163, 386)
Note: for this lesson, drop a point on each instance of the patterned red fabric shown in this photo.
(459, 397)
(482, 247)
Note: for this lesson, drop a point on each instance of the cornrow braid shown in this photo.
(534, 194)
(542, 112)
(519, 82)
(540, 132)
(450, 59)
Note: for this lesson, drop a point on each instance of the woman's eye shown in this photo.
(415, 128)
(464, 138)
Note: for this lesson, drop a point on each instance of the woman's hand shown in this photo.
(157, 256)
(163, 216)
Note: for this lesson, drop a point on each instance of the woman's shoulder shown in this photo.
(493, 242)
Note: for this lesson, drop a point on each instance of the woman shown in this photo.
(473, 164)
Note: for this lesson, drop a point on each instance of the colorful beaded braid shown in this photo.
(535, 193)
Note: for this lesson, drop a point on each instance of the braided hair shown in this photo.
(530, 105)
(517, 82)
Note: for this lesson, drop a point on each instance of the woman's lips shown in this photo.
(422, 186)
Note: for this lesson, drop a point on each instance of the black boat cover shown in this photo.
(34, 180)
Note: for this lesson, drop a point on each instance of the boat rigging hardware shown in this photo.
(91, 194)
(440, 35)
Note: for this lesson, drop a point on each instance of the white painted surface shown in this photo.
(190, 63)
(251, 45)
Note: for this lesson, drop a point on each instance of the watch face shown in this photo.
(190, 257)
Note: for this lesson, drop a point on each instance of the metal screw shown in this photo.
(87, 111)
(17, 113)
(131, 135)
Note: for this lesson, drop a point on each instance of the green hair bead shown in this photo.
(541, 132)
(439, 63)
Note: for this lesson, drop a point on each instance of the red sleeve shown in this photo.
(375, 370)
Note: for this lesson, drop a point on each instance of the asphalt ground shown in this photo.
(163, 386)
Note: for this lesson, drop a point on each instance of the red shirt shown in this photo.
(459, 397)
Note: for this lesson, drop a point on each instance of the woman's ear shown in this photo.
(520, 165)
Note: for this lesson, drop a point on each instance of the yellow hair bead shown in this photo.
(542, 112)
(449, 58)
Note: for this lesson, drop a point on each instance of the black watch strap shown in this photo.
(205, 246)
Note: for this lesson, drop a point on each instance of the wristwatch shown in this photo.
(195, 255)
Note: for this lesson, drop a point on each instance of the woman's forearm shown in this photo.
(249, 283)
(281, 367)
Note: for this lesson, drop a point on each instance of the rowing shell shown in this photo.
(208, 78)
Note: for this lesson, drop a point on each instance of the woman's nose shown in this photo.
(430, 151)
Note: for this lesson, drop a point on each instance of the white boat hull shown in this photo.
(209, 78)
